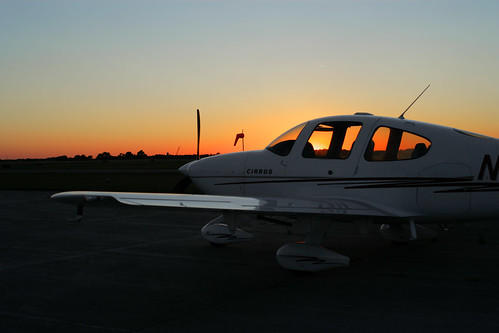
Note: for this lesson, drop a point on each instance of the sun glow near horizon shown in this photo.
(175, 134)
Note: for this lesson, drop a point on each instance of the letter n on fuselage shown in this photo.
(487, 164)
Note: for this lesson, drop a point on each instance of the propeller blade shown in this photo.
(182, 185)
(199, 132)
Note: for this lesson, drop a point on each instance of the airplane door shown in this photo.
(442, 199)
(327, 152)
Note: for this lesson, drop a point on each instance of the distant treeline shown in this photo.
(106, 156)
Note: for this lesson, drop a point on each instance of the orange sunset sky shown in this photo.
(84, 77)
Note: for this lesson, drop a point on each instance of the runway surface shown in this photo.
(127, 269)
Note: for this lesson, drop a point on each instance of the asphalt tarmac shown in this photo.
(127, 269)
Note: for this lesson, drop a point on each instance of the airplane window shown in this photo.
(283, 144)
(332, 140)
(391, 144)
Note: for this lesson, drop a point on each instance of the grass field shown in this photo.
(114, 175)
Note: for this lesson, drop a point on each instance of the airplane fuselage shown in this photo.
(406, 168)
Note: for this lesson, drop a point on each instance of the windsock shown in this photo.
(238, 136)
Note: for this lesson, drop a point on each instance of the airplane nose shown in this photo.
(206, 172)
(185, 168)
(182, 185)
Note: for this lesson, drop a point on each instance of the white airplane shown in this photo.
(361, 168)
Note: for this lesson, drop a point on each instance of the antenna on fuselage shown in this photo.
(403, 113)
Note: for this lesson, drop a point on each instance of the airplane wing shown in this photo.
(264, 205)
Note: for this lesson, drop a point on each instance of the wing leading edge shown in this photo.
(283, 206)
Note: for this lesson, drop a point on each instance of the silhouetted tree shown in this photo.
(141, 154)
(104, 156)
(82, 157)
(129, 155)
(59, 158)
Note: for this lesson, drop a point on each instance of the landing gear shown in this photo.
(309, 256)
(221, 234)
(306, 256)
(79, 214)
(403, 233)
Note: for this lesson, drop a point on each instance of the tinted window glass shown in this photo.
(333, 140)
(284, 143)
(392, 144)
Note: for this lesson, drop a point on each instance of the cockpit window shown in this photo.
(283, 144)
(392, 144)
(332, 140)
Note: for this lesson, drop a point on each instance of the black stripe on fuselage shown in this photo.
(459, 184)
(367, 181)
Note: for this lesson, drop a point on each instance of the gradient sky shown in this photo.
(83, 77)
